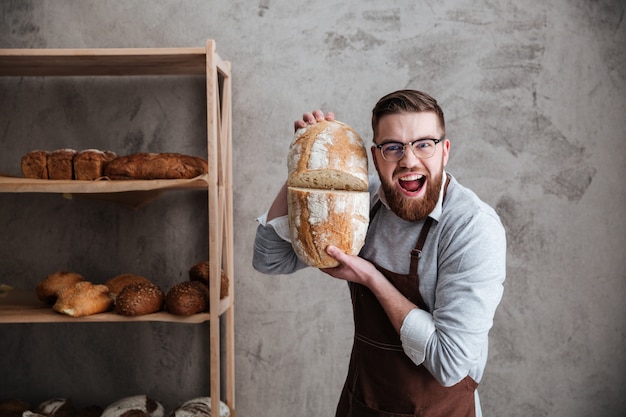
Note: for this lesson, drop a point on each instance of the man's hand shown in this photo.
(312, 118)
(361, 271)
(352, 268)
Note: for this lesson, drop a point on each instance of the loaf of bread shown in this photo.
(187, 298)
(199, 407)
(327, 155)
(35, 165)
(328, 202)
(89, 163)
(83, 299)
(319, 218)
(135, 406)
(151, 166)
(61, 164)
(49, 288)
(56, 407)
(118, 282)
(13, 407)
(200, 272)
(138, 299)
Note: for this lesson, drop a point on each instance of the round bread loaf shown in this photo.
(118, 282)
(328, 202)
(135, 406)
(83, 299)
(328, 155)
(199, 407)
(138, 299)
(318, 218)
(200, 272)
(49, 288)
(187, 298)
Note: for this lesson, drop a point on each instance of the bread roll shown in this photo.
(118, 282)
(200, 272)
(49, 288)
(328, 155)
(83, 299)
(151, 166)
(35, 165)
(199, 407)
(318, 218)
(61, 164)
(89, 163)
(134, 406)
(187, 298)
(138, 299)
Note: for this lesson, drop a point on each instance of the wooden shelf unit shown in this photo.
(21, 308)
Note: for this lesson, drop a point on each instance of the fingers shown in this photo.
(312, 118)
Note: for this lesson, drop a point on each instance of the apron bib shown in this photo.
(382, 380)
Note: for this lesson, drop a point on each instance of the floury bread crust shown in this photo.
(319, 218)
(328, 155)
(328, 202)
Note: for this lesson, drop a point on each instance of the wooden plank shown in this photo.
(103, 61)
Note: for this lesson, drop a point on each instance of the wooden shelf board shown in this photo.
(103, 61)
(20, 306)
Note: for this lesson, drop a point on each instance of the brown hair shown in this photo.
(402, 101)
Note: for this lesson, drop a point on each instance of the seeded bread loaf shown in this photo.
(327, 196)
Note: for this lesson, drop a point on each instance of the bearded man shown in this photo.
(427, 282)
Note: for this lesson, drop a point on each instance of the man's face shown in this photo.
(411, 185)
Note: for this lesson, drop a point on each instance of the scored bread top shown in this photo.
(328, 155)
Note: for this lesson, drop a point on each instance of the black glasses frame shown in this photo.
(404, 145)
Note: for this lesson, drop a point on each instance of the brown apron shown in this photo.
(382, 380)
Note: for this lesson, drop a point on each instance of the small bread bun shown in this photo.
(199, 407)
(200, 272)
(49, 289)
(61, 164)
(118, 282)
(187, 298)
(83, 299)
(138, 299)
(35, 165)
(135, 406)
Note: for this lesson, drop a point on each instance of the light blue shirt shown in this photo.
(462, 272)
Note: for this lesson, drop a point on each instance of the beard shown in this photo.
(410, 209)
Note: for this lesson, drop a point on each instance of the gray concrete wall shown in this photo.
(535, 99)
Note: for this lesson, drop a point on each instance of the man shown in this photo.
(428, 280)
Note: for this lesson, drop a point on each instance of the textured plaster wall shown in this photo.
(535, 99)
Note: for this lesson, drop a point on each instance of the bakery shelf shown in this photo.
(27, 185)
(205, 62)
(105, 61)
(21, 306)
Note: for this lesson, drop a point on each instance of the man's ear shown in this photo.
(373, 149)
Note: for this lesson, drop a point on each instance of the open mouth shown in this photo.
(412, 183)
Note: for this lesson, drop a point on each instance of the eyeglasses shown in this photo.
(422, 148)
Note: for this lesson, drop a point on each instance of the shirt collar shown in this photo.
(435, 214)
